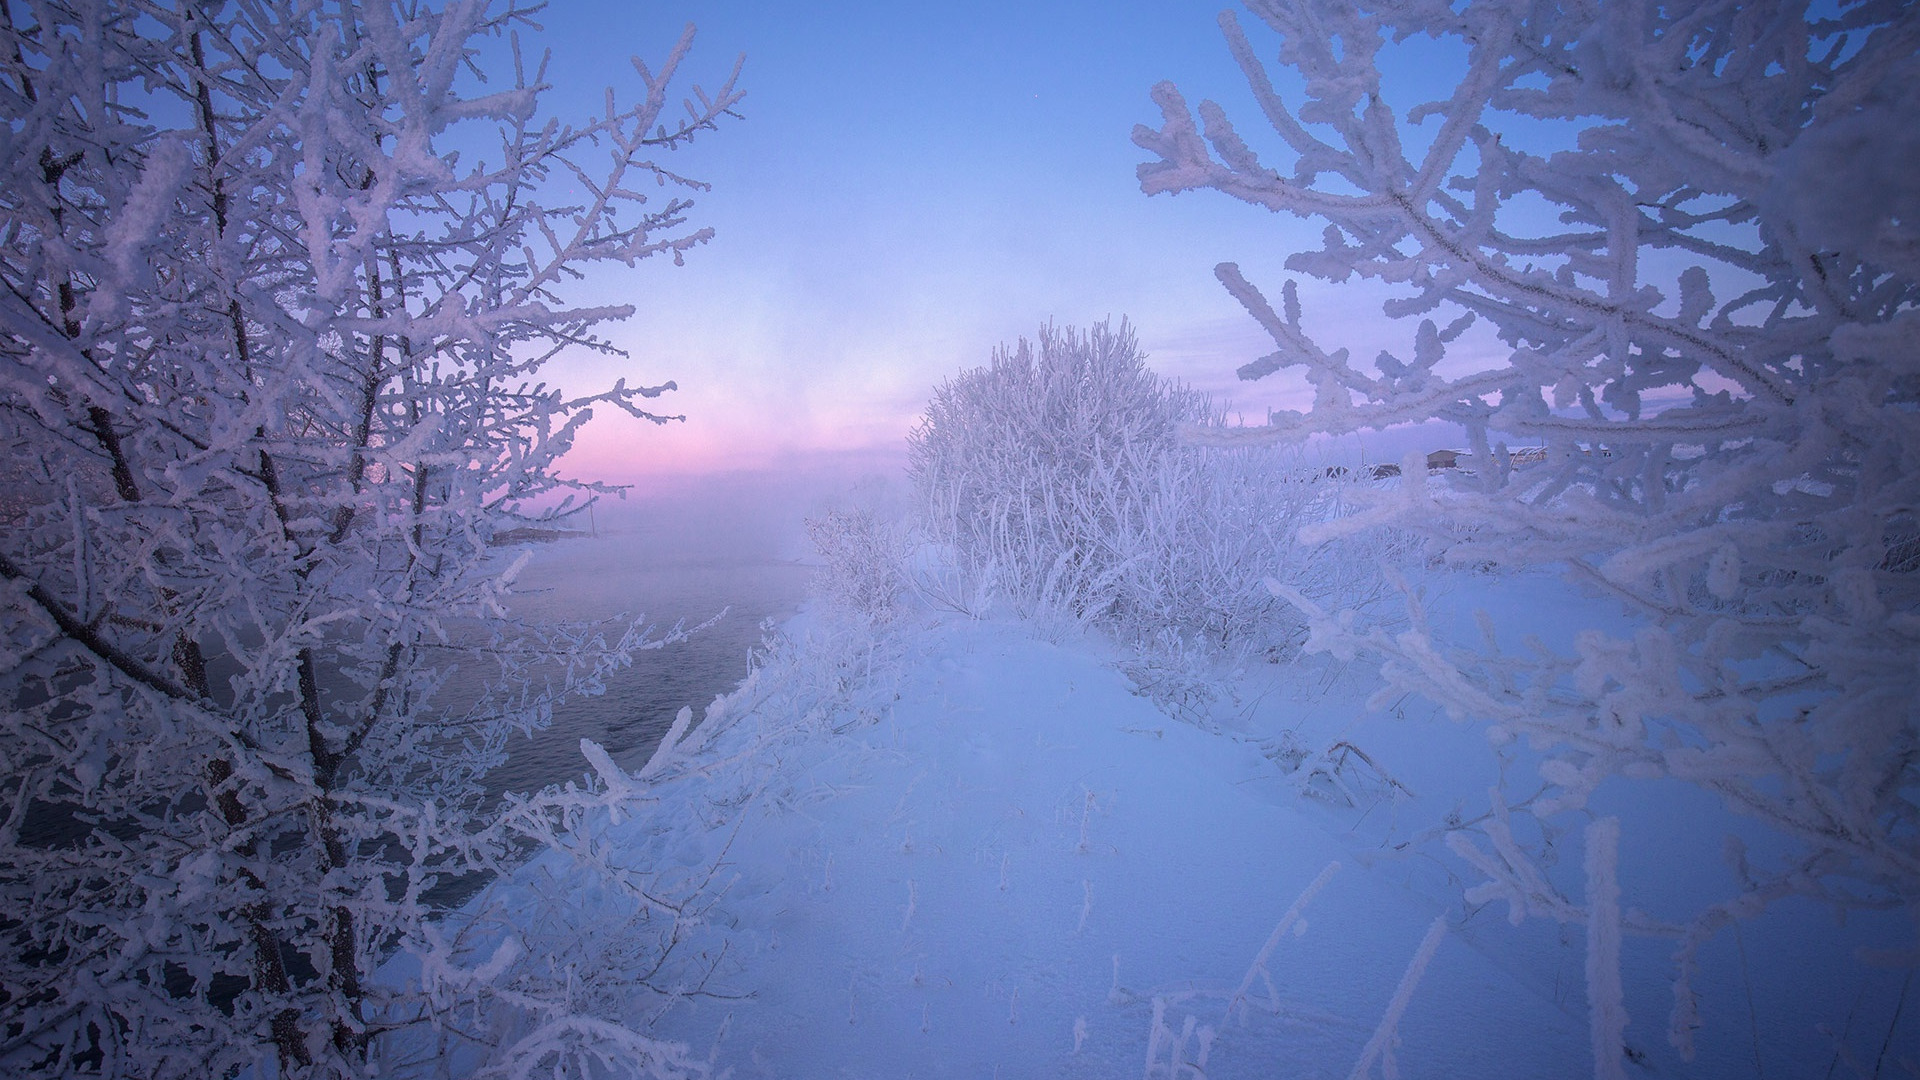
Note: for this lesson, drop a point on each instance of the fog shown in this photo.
(728, 549)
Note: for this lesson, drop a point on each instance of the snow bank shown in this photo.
(950, 849)
(1022, 867)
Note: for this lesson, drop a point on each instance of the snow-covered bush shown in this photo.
(1690, 231)
(1018, 464)
(280, 279)
(1053, 478)
(865, 555)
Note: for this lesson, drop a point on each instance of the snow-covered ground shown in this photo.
(970, 851)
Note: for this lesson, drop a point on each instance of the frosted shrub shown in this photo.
(1703, 308)
(280, 282)
(865, 555)
(1018, 465)
(1056, 480)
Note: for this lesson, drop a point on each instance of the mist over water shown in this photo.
(732, 544)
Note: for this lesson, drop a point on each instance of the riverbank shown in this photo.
(731, 592)
(951, 847)
(1025, 869)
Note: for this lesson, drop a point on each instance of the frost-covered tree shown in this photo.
(1053, 479)
(1678, 247)
(1011, 460)
(279, 282)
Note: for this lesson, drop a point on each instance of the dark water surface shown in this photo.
(688, 576)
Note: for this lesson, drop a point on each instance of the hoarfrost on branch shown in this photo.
(1673, 251)
(270, 360)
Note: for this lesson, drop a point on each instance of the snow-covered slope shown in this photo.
(953, 848)
(1024, 869)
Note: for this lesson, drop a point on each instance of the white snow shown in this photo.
(1127, 841)
(992, 857)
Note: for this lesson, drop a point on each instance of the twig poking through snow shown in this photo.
(664, 753)
(1086, 810)
(1155, 1034)
(1259, 966)
(1381, 1044)
(1607, 1013)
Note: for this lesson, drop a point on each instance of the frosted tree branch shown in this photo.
(1646, 259)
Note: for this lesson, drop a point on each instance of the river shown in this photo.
(671, 571)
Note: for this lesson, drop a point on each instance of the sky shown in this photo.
(911, 185)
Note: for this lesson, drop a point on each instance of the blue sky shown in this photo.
(912, 184)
